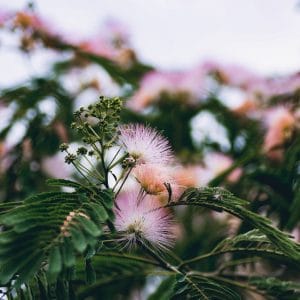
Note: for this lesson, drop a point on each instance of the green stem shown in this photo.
(239, 285)
(131, 257)
(161, 261)
(126, 177)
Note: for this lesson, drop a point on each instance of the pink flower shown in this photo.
(271, 87)
(143, 219)
(145, 144)
(188, 86)
(189, 176)
(249, 107)
(99, 46)
(280, 124)
(110, 42)
(27, 20)
(4, 17)
(217, 163)
(55, 167)
(153, 177)
(235, 75)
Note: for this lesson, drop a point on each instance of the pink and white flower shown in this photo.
(154, 177)
(138, 219)
(145, 144)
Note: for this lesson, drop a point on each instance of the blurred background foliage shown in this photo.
(252, 148)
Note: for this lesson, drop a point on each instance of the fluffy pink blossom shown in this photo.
(280, 124)
(145, 144)
(189, 176)
(143, 218)
(153, 177)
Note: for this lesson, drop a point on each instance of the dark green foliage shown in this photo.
(63, 256)
(119, 270)
(48, 230)
(222, 200)
(164, 291)
(202, 288)
(277, 289)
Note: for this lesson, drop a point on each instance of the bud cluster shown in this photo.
(99, 121)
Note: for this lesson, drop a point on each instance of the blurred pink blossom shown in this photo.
(280, 123)
(4, 17)
(235, 75)
(31, 20)
(190, 85)
(271, 87)
(215, 164)
(189, 176)
(56, 167)
(111, 41)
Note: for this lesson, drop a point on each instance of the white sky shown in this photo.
(263, 35)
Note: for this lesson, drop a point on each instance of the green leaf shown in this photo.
(202, 288)
(46, 223)
(78, 240)
(68, 253)
(100, 211)
(114, 267)
(165, 289)
(221, 200)
(90, 272)
(89, 226)
(283, 290)
(55, 262)
(64, 183)
(29, 269)
(107, 197)
(253, 243)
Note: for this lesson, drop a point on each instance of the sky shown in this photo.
(263, 35)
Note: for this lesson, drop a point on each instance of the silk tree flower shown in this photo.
(143, 219)
(280, 124)
(234, 75)
(187, 86)
(189, 176)
(270, 87)
(153, 179)
(4, 17)
(145, 144)
(215, 164)
(112, 42)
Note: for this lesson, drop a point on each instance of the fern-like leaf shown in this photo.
(201, 288)
(46, 231)
(221, 200)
